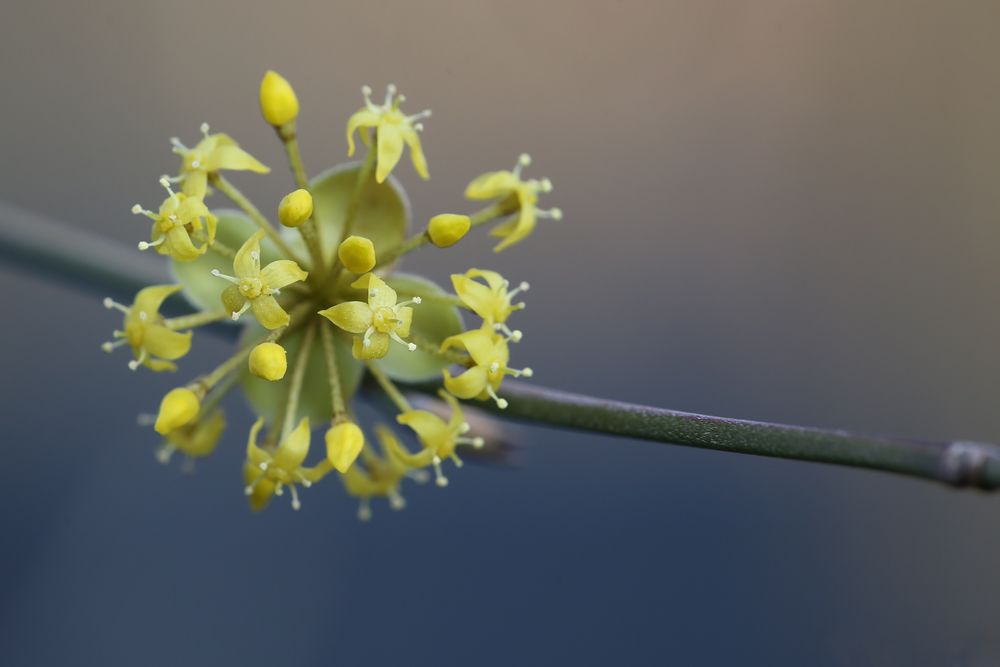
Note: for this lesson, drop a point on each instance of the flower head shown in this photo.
(508, 185)
(278, 102)
(213, 153)
(254, 288)
(268, 361)
(295, 208)
(378, 321)
(154, 344)
(194, 440)
(438, 437)
(344, 442)
(488, 355)
(380, 476)
(179, 219)
(266, 474)
(447, 229)
(393, 128)
(492, 300)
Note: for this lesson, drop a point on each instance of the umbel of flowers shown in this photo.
(320, 303)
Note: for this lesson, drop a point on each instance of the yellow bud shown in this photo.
(278, 102)
(343, 444)
(357, 253)
(295, 208)
(268, 361)
(448, 229)
(178, 407)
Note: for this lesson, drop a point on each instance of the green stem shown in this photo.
(336, 391)
(225, 187)
(364, 176)
(195, 320)
(388, 387)
(79, 260)
(298, 376)
(309, 230)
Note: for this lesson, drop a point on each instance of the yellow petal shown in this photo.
(362, 282)
(235, 158)
(343, 444)
(378, 347)
(390, 149)
(180, 247)
(457, 418)
(177, 408)
(282, 273)
(166, 344)
(255, 454)
(206, 436)
(430, 429)
(233, 299)
(523, 225)
(363, 118)
(195, 183)
(244, 264)
(412, 140)
(149, 299)
(278, 102)
(261, 496)
(159, 366)
(293, 448)
(380, 295)
(351, 316)
(492, 185)
(405, 315)
(268, 312)
(397, 451)
(478, 297)
(469, 384)
(478, 343)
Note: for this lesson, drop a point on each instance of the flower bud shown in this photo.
(295, 208)
(178, 407)
(357, 253)
(448, 229)
(343, 444)
(278, 102)
(268, 361)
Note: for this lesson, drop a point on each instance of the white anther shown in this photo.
(524, 286)
(108, 302)
(478, 443)
(364, 510)
(204, 129)
(133, 365)
(296, 505)
(366, 90)
(142, 315)
(164, 453)
(248, 489)
(366, 342)
(502, 403)
(556, 214)
(464, 428)
(195, 164)
(412, 347)
(137, 209)
(236, 314)
(494, 367)
(108, 347)
(419, 127)
(545, 185)
(417, 300)
(524, 159)
(165, 182)
(172, 218)
(396, 501)
(516, 336)
(527, 372)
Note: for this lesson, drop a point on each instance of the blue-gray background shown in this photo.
(776, 210)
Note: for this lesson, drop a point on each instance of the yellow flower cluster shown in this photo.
(324, 305)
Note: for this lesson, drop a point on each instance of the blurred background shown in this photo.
(774, 210)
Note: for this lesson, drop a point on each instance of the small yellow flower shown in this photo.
(380, 476)
(266, 474)
(295, 208)
(491, 301)
(504, 185)
(344, 442)
(178, 407)
(489, 355)
(380, 320)
(448, 229)
(213, 153)
(179, 217)
(278, 103)
(153, 344)
(268, 361)
(439, 438)
(194, 440)
(393, 128)
(357, 254)
(254, 287)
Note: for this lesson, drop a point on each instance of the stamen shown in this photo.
(135, 363)
(439, 477)
(110, 303)
(367, 92)
(501, 402)
(514, 336)
(494, 367)
(426, 113)
(204, 129)
(296, 505)
(165, 451)
(248, 489)
(139, 210)
(527, 372)
(146, 245)
(409, 346)
(418, 476)
(552, 213)
(279, 489)
(465, 427)
(390, 90)
(302, 480)
(236, 315)
(523, 160)
(364, 510)
(176, 143)
(545, 185)
(220, 274)
(112, 346)
(165, 182)
(415, 301)
(367, 339)
(187, 465)
(145, 419)
(396, 501)
(458, 462)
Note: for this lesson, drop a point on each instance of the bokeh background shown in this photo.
(776, 210)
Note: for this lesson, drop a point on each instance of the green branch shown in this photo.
(51, 249)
